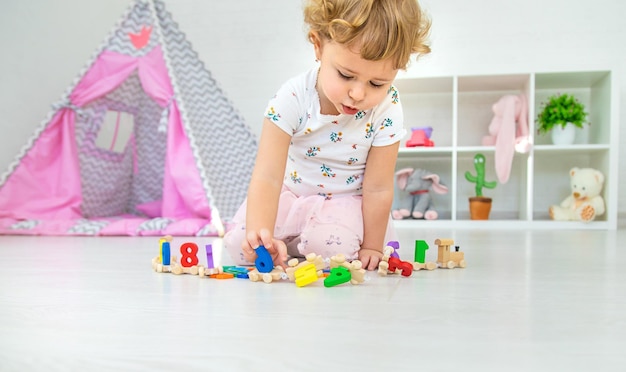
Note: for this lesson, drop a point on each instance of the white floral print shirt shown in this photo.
(328, 153)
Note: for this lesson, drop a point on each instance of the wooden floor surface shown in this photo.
(527, 301)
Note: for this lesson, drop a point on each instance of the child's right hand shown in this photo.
(276, 248)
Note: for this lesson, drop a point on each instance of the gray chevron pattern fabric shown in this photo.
(140, 15)
(223, 144)
(87, 227)
(113, 184)
(25, 225)
(155, 224)
(110, 184)
(105, 175)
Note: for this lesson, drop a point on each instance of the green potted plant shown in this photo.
(480, 206)
(560, 116)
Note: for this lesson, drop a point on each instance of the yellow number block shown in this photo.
(306, 275)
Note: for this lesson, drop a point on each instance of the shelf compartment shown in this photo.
(459, 108)
(554, 168)
(476, 97)
(428, 102)
(509, 199)
(442, 166)
(592, 89)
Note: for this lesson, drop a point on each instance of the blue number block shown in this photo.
(165, 253)
(263, 262)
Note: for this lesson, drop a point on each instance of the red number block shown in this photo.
(189, 253)
(405, 267)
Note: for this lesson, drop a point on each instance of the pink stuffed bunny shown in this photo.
(508, 131)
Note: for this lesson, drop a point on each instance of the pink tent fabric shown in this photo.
(46, 183)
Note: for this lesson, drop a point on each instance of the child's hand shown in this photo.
(276, 248)
(370, 258)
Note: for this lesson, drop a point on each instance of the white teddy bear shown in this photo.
(585, 202)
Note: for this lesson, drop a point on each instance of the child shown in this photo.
(324, 172)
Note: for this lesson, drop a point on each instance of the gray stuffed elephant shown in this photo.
(412, 197)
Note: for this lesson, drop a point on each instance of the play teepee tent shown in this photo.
(144, 142)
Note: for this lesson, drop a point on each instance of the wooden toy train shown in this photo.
(447, 258)
(308, 271)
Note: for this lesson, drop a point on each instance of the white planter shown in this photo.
(563, 135)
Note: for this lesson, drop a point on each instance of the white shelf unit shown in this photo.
(459, 108)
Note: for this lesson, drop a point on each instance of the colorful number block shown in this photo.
(338, 275)
(306, 275)
(263, 262)
(209, 256)
(420, 251)
(395, 245)
(406, 268)
(165, 253)
(189, 253)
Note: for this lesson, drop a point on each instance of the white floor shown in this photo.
(527, 301)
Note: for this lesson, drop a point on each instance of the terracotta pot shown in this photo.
(480, 207)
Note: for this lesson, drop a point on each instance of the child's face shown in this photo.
(348, 83)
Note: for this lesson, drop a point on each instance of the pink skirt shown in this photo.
(331, 226)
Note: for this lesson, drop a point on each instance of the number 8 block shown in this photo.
(189, 253)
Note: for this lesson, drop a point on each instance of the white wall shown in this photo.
(252, 46)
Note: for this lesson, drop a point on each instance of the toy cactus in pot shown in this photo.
(480, 206)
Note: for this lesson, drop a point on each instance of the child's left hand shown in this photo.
(370, 258)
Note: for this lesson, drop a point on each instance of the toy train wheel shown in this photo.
(450, 265)
(267, 278)
(462, 264)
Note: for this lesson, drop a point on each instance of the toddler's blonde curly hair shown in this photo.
(383, 29)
